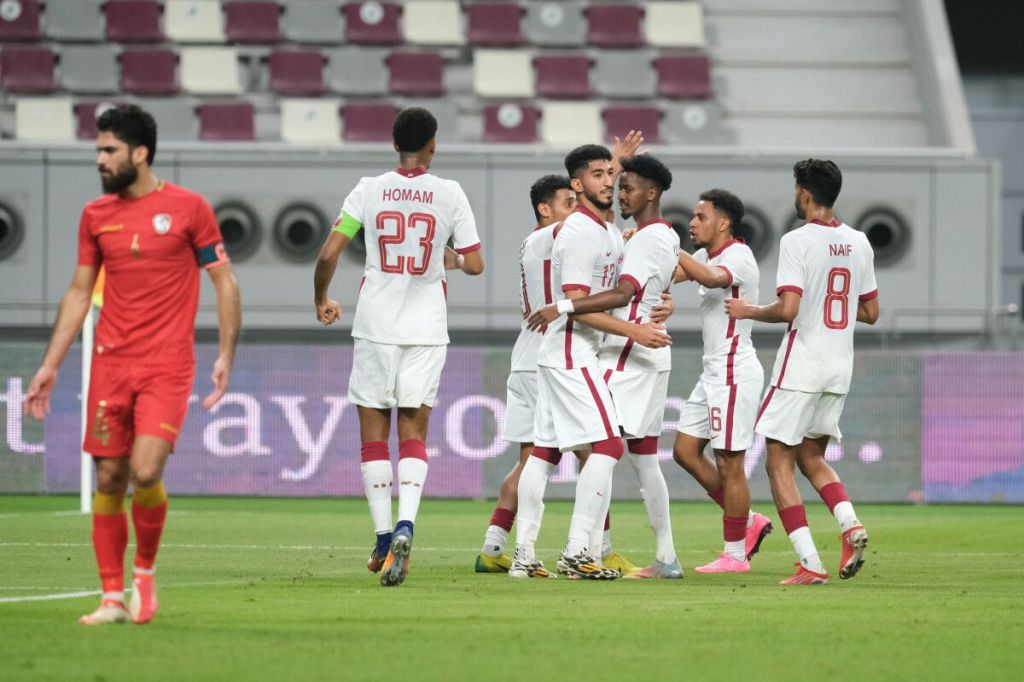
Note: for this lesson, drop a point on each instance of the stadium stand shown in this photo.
(194, 21)
(74, 20)
(619, 120)
(252, 22)
(510, 123)
(503, 73)
(231, 121)
(28, 69)
(433, 22)
(133, 21)
(673, 24)
(309, 121)
(494, 24)
(358, 71)
(297, 72)
(563, 76)
(373, 23)
(46, 119)
(89, 69)
(149, 72)
(210, 71)
(19, 21)
(416, 73)
(313, 22)
(615, 26)
(570, 123)
(556, 24)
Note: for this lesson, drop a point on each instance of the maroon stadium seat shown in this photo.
(297, 72)
(149, 72)
(226, 122)
(620, 120)
(495, 24)
(27, 69)
(516, 123)
(563, 76)
(86, 114)
(133, 21)
(249, 21)
(367, 122)
(684, 77)
(19, 20)
(614, 25)
(372, 23)
(416, 73)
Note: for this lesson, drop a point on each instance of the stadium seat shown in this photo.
(19, 21)
(614, 25)
(252, 22)
(86, 114)
(309, 121)
(433, 22)
(367, 122)
(231, 121)
(175, 116)
(503, 73)
(372, 23)
(133, 21)
(89, 69)
(358, 70)
(27, 69)
(444, 109)
(313, 21)
(510, 123)
(194, 21)
(149, 72)
(684, 77)
(694, 123)
(570, 123)
(619, 120)
(297, 72)
(555, 23)
(43, 118)
(210, 70)
(416, 73)
(623, 73)
(563, 76)
(495, 24)
(674, 24)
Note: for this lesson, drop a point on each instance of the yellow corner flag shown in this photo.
(97, 290)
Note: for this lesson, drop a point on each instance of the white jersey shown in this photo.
(535, 291)
(729, 356)
(408, 217)
(585, 257)
(648, 260)
(832, 267)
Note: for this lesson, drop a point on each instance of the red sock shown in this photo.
(608, 521)
(833, 494)
(149, 524)
(734, 528)
(793, 518)
(718, 496)
(643, 446)
(109, 541)
(503, 518)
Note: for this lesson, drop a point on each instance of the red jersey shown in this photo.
(152, 249)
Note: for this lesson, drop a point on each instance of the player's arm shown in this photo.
(784, 309)
(594, 303)
(328, 311)
(868, 311)
(649, 334)
(471, 263)
(229, 321)
(715, 277)
(627, 146)
(74, 306)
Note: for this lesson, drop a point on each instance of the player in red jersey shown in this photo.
(152, 238)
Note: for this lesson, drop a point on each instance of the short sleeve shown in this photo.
(740, 265)
(868, 286)
(88, 248)
(206, 237)
(640, 262)
(353, 204)
(464, 235)
(790, 275)
(575, 252)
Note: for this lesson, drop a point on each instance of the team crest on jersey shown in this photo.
(162, 223)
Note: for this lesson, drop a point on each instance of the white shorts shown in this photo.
(386, 376)
(574, 409)
(722, 414)
(791, 416)
(639, 400)
(520, 405)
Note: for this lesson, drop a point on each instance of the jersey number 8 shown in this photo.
(399, 223)
(838, 292)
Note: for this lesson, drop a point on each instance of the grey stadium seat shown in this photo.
(626, 73)
(175, 116)
(694, 122)
(74, 20)
(357, 70)
(90, 69)
(313, 21)
(555, 23)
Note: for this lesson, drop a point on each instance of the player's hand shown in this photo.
(651, 335)
(627, 234)
(737, 308)
(451, 259)
(328, 312)
(627, 146)
(663, 310)
(37, 399)
(541, 318)
(220, 376)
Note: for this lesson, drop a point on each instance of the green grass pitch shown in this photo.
(255, 589)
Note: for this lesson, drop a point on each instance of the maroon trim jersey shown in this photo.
(152, 249)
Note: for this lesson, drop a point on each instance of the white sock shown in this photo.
(803, 544)
(494, 541)
(113, 596)
(597, 535)
(591, 492)
(845, 516)
(412, 473)
(532, 483)
(606, 543)
(654, 491)
(737, 549)
(377, 487)
(750, 518)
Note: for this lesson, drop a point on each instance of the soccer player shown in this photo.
(638, 377)
(574, 407)
(400, 328)
(825, 283)
(723, 405)
(151, 238)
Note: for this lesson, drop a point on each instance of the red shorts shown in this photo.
(127, 401)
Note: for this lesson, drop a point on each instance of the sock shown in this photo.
(591, 489)
(794, 520)
(734, 530)
(375, 467)
(718, 495)
(109, 541)
(532, 483)
(412, 473)
(497, 532)
(383, 545)
(750, 518)
(597, 535)
(834, 495)
(149, 512)
(606, 536)
(654, 491)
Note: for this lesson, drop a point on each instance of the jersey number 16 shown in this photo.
(393, 226)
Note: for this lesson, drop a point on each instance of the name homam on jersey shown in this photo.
(417, 195)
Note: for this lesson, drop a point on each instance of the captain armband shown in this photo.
(347, 225)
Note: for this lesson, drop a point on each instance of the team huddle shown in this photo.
(589, 371)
